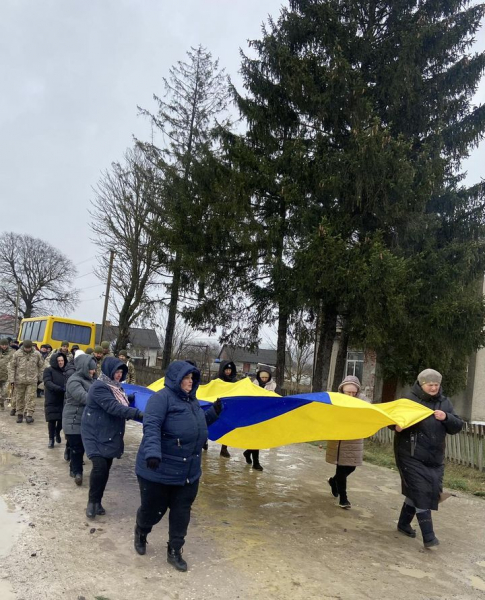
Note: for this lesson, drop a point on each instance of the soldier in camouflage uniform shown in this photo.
(25, 370)
(98, 357)
(131, 377)
(6, 354)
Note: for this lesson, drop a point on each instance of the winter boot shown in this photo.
(100, 510)
(51, 443)
(20, 418)
(58, 438)
(67, 454)
(206, 446)
(224, 452)
(29, 419)
(333, 486)
(78, 479)
(2, 404)
(405, 518)
(91, 510)
(140, 541)
(344, 502)
(256, 464)
(426, 525)
(174, 557)
(247, 456)
(12, 412)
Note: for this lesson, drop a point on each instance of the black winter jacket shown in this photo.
(420, 450)
(227, 364)
(104, 418)
(55, 387)
(174, 430)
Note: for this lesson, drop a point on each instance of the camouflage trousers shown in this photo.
(24, 397)
(4, 389)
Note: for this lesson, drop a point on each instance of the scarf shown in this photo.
(115, 388)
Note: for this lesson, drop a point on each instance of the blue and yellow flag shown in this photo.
(256, 418)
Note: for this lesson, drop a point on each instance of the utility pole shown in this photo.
(106, 296)
(17, 303)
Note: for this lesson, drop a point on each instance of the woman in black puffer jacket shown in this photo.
(55, 387)
(420, 455)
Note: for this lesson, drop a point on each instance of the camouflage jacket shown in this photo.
(4, 360)
(25, 367)
(131, 377)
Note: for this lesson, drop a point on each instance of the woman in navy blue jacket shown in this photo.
(168, 464)
(103, 427)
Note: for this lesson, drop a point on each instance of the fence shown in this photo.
(464, 448)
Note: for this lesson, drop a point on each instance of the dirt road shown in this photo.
(273, 535)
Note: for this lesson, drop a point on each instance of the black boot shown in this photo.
(51, 443)
(405, 518)
(225, 452)
(100, 510)
(58, 438)
(78, 479)
(174, 557)
(91, 510)
(67, 454)
(206, 446)
(256, 464)
(426, 525)
(12, 412)
(20, 418)
(140, 541)
(333, 486)
(247, 456)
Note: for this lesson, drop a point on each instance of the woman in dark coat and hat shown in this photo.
(420, 455)
(228, 373)
(55, 387)
(168, 464)
(103, 428)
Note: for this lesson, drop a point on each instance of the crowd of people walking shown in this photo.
(84, 397)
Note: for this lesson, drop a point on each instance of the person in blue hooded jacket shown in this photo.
(103, 428)
(168, 464)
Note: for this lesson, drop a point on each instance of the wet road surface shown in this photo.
(274, 535)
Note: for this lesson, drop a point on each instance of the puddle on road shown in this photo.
(477, 583)
(8, 475)
(415, 573)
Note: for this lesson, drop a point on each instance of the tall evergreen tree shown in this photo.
(196, 95)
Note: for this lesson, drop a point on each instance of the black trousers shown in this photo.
(99, 477)
(55, 428)
(156, 498)
(340, 477)
(76, 448)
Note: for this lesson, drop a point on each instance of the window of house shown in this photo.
(355, 364)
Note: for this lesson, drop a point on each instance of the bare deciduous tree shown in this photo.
(124, 221)
(43, 275)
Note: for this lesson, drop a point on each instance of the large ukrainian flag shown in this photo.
(256, 418)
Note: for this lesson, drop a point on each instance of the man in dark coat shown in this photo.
(420, 455)
(55, 387)
(228, 373)
(168, 464)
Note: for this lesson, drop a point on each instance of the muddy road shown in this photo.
(276, 534)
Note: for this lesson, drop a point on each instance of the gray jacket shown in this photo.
(76, 394)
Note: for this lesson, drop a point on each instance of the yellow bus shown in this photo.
(55, 330)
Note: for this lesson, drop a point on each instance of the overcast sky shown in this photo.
(72, 73)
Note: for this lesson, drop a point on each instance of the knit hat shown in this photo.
(350, 379)
(64, 344)
(4, 342)
(89, 350)
(105, 345)
(98, 349)
(429, 376)
(78, 352)
(27, 344)
(123, 352)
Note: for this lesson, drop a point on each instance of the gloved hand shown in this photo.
(139, 416)
(152, 463)
(131, 399)
(218, 406)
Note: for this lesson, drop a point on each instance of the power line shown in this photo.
(85, 275)
(84, 261)
(90, 287)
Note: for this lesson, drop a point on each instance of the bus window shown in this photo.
(76, 334)
(35, 331)
(42, 330)
(27, 330)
